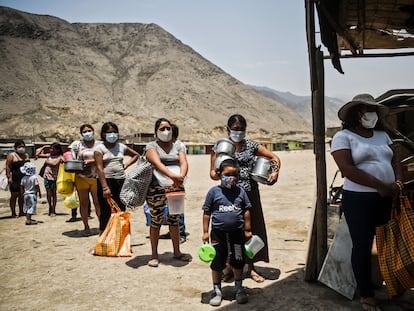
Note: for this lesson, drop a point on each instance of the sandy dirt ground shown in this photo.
(48, 266)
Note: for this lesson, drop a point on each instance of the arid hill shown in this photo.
(57, 75)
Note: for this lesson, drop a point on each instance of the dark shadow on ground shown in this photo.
(293, 293)
(81, 233)
(165, 258)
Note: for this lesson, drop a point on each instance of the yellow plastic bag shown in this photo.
(72, 201)
(65, 181)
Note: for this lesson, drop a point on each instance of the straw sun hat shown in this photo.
(362, 99)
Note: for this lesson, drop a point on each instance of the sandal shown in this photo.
(154, 262)
(369, 304)
(184, 257)
(256, 277)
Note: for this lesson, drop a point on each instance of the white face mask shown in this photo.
(164, 136)
(237, 136)
(369, 119)
(21, 150)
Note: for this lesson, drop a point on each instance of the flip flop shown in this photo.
(154, 262)
(184, 257)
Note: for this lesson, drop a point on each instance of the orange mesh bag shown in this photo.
(395, 244)
(115, 241)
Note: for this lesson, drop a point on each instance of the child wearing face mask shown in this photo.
(54, 158)
(228, 207)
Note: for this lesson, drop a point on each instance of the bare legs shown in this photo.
(51, 200)
(16, 197)
(175, 238)
(84, 203)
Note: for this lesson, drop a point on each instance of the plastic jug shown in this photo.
(253, 246)
(175, 202)
(206, 252)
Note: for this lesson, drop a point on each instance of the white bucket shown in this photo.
(253, 246)
(175, 202)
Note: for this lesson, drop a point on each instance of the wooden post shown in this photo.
(321, 213)
(318, 238)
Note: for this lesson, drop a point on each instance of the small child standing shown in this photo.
(29, 186)
(228, 207)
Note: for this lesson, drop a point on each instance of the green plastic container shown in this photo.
(206, 252)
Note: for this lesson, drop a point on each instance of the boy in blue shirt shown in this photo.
(228, 207)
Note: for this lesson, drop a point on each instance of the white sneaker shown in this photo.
(216, 299)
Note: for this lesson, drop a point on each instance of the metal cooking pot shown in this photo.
(73, 166)
(220, 158)
(226, 146)
(261, 170)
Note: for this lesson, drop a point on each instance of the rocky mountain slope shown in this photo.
(303, 104)
(57, 75)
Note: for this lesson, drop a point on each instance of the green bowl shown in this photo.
(206, 252)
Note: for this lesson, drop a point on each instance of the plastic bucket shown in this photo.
(175, 202)
(206, 252)
(253, 246)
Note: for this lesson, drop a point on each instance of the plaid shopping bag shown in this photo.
(115, 241)
(395, 244)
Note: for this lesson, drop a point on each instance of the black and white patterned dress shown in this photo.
(246, 157)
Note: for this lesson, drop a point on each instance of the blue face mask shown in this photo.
(111, 137)
(87, 136)
(228, 181)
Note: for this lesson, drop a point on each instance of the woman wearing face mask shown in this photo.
(54, 158)
(14, 161)
(85, 181)
(246, 153)
(161, 153)
(110, 163)
(365, 157)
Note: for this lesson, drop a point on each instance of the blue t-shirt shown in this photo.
(227, 207)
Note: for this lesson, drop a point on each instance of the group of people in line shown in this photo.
(232, 210)
(105, 173)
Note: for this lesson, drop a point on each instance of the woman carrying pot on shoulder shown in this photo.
(85, 181)
(109, 159)
(246, 153)
(161, 153)
(14, 162)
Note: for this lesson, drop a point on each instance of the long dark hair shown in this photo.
(18, 143)
(158, 122)
(57, 147)
(236, 118)
(106, 127)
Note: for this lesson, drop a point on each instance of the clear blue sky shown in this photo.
(259, 42)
